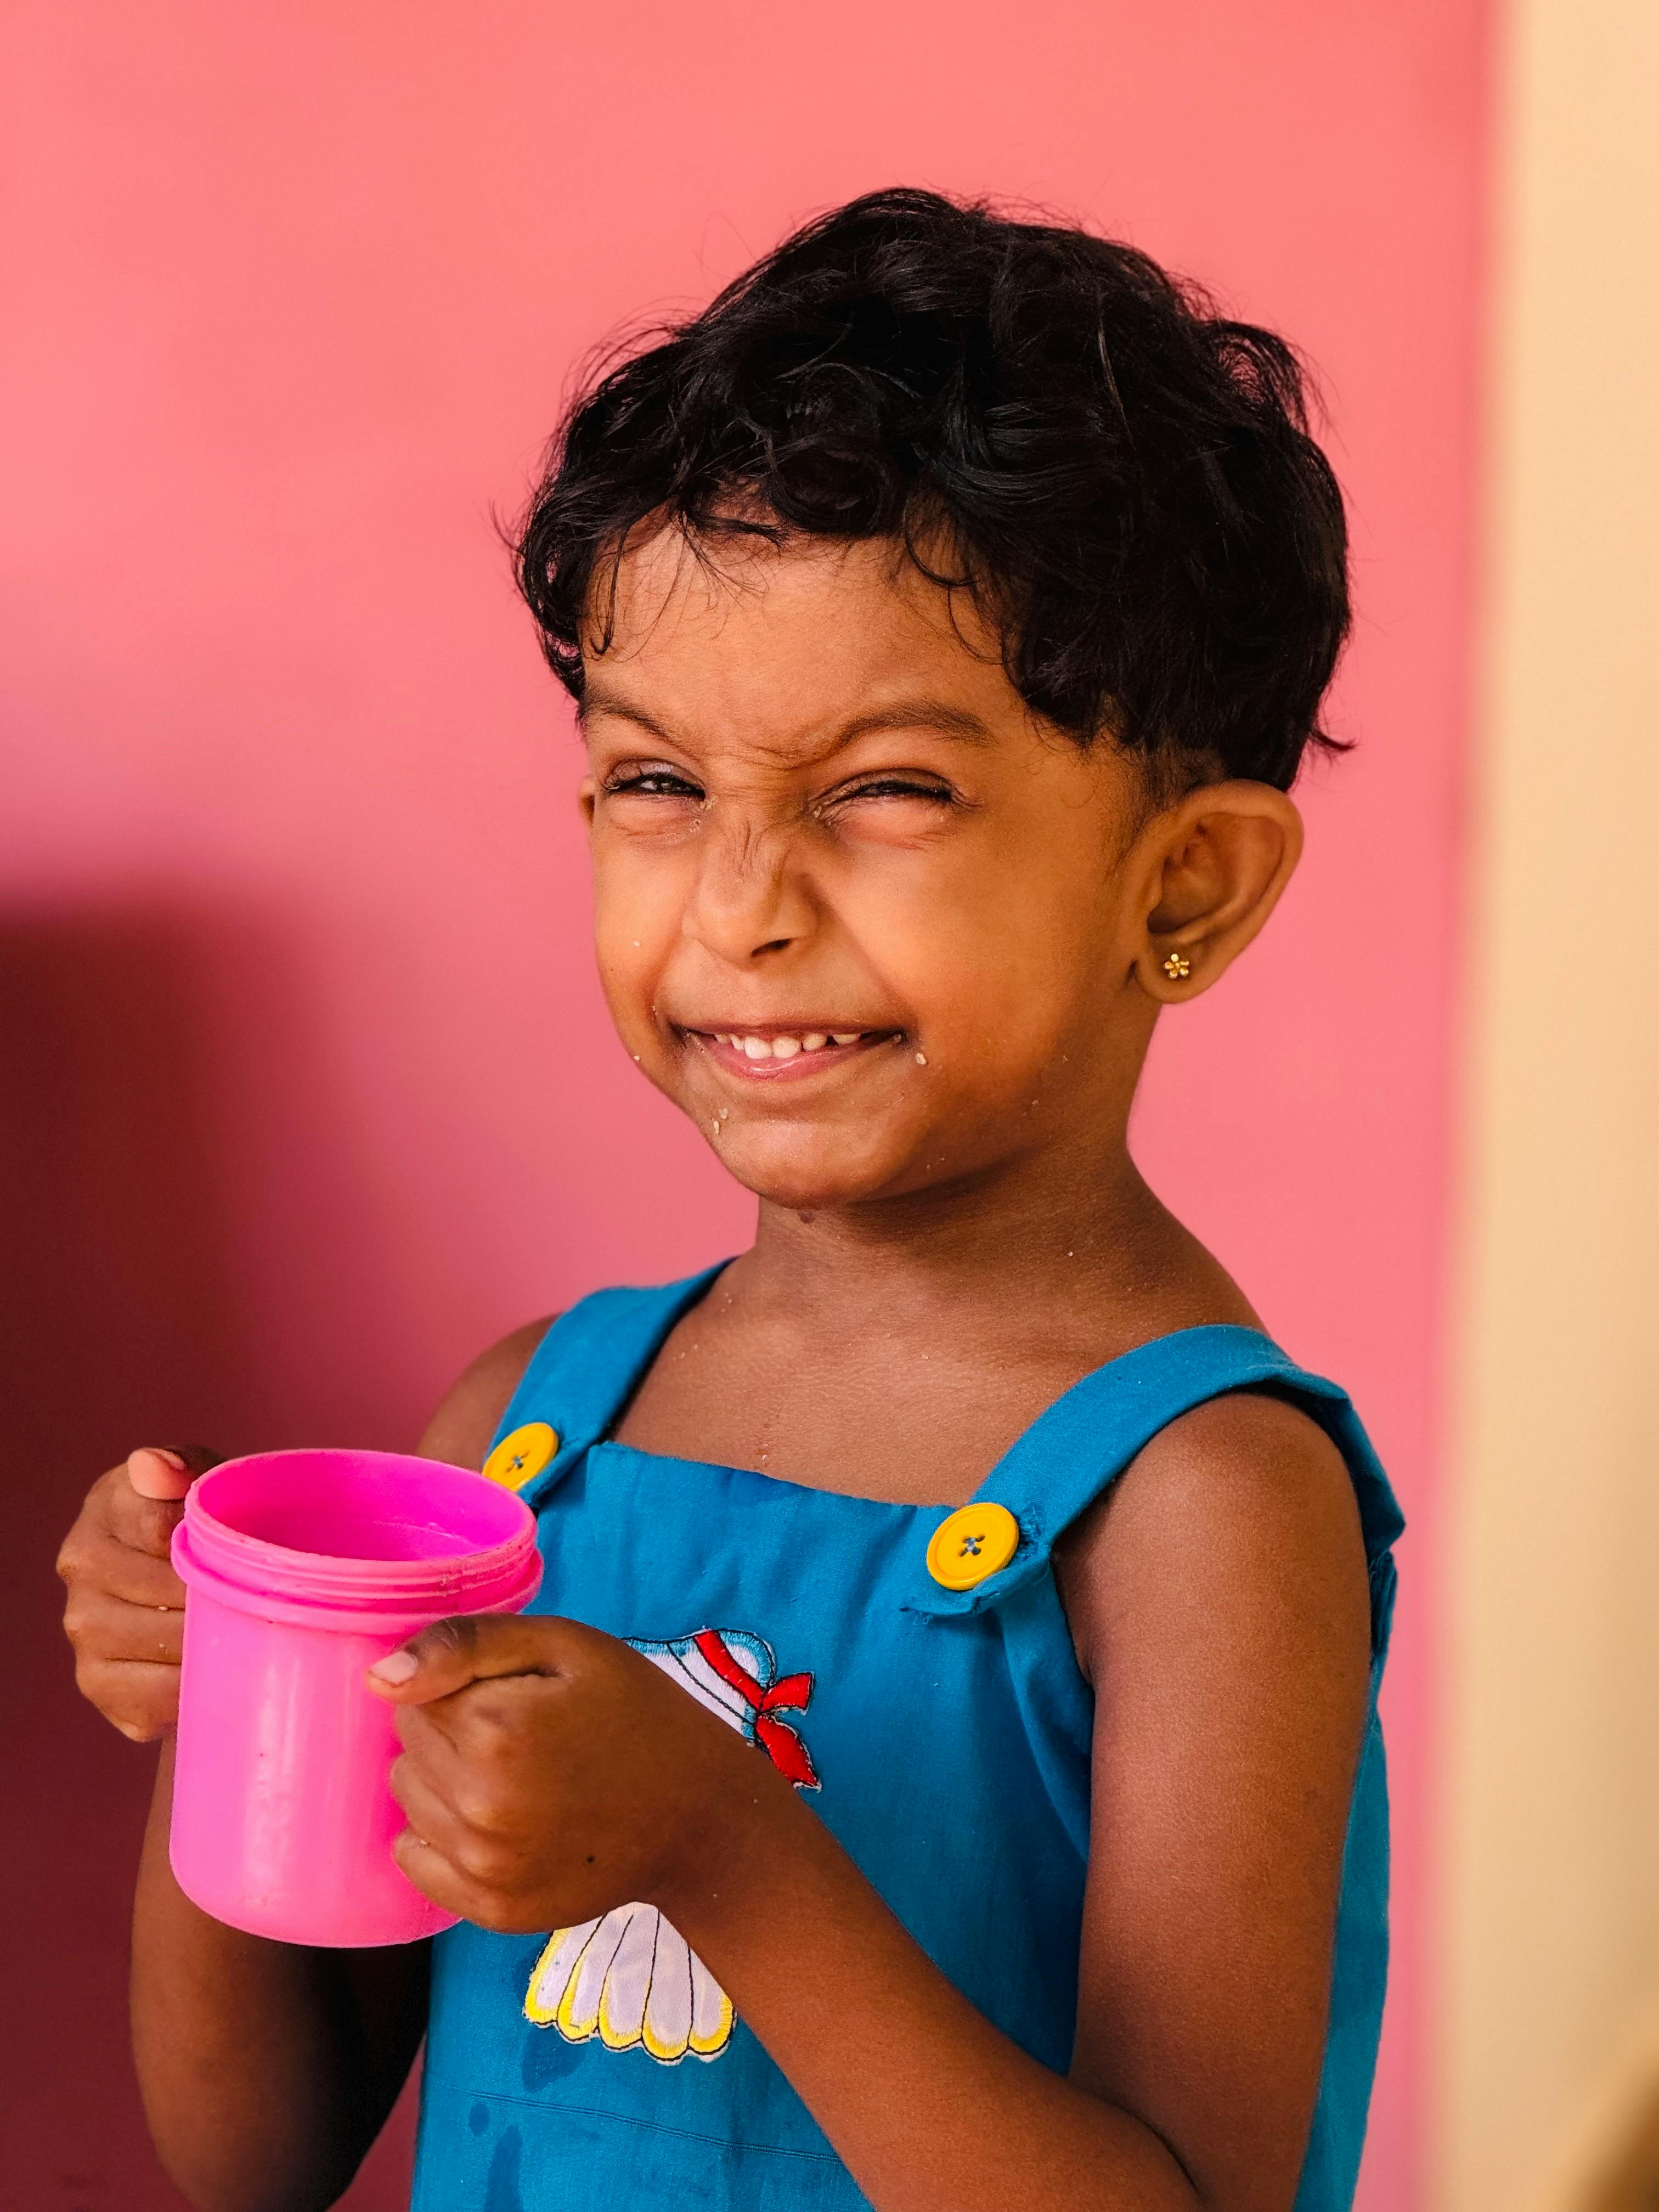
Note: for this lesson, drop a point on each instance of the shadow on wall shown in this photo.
(138, 1306)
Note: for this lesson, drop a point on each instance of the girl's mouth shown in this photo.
(768, 1053)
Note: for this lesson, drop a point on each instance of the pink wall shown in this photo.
(309, 1092)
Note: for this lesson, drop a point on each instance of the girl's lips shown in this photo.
(785, 1056)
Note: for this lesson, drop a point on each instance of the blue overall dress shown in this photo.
(942, 1735)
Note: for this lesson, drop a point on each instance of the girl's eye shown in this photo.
(894, 787)
(655, 783)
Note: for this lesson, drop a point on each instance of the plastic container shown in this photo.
(303, 1568)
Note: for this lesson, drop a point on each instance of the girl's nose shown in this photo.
(753, 898)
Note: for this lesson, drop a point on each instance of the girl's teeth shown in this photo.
(785, 1047)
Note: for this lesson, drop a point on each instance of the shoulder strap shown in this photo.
(589, 1365)
(1085, 1439)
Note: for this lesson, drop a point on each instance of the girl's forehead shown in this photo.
(791, 638)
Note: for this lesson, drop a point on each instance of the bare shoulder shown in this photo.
(1243, 1511)
(464, 1426)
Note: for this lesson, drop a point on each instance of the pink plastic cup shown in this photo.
(303, 1568)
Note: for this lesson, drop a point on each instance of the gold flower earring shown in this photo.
(1177, 967)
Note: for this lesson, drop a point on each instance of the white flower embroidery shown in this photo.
(630, 1978)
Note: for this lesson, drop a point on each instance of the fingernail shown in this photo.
(156, 1473)
(396, 1666)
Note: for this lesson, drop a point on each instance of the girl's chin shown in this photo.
(804, 1180)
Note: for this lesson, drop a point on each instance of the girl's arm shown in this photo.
(267, 2069)
(1219, 1602)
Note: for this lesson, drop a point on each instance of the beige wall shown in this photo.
(1549, 1947)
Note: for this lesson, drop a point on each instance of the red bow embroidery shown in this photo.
(792, 1693)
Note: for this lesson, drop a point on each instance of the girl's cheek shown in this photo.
(635, 919)
(625, 977)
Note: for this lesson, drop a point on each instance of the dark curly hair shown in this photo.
(1121, 477)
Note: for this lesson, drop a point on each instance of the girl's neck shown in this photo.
(927, 1332)
(1062, 1247)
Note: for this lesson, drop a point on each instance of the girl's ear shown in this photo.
(1214, 867)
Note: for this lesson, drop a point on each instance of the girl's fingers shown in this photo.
(167, 1470)
(436, 1847)
(140, 1523)
(428, 1741)
(468, 1648)
(487, 1864)
(125, 1571)
(155, 1472)
(142, 1700)
(433, 1875)
(427, 1809)
(125, 1611)
(106, 1629)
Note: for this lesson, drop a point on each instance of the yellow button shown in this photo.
(974, 1541)
(520, 1458)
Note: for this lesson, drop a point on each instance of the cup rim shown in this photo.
(471, 1580)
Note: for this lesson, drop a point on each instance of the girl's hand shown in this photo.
(550, 1772)
(125, 1613)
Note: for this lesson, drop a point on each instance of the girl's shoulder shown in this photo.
(464, 1427)
(1238, 1520)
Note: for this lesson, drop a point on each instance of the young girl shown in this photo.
(941, 1771)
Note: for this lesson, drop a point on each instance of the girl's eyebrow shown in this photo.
(900, 714)
(917, 713)
(596, 699)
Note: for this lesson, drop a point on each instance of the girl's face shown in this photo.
(865, 918)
